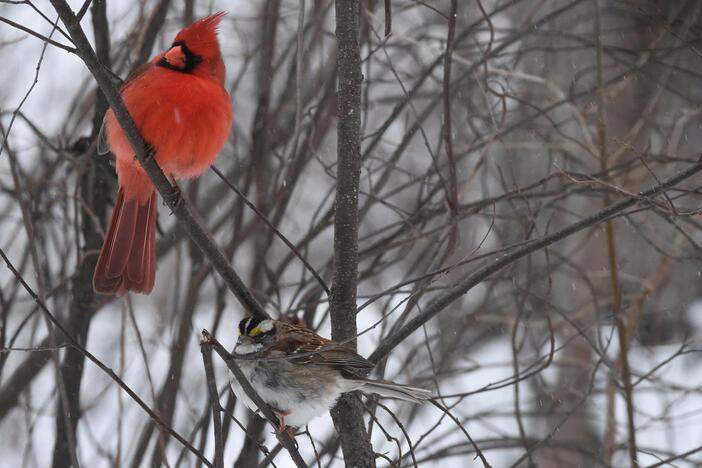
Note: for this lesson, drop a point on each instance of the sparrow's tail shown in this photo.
(393, 390)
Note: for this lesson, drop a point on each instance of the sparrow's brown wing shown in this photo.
(313, 349)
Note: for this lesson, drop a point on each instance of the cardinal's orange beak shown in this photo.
(175, 57)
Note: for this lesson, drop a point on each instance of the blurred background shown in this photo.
(581, 352)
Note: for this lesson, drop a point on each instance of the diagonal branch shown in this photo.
(73, 343)
(441, 302)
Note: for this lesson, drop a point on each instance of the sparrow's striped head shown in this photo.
(256, 328)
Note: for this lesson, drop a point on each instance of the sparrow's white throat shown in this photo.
(248, 348)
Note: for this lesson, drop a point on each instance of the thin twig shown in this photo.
(388, 17)
(619, 320)
(214, 404)
(440, 303)
(280, 235)
(99, 363)
(452, 196)
(64, 414)
(37, 35)
(478, 452)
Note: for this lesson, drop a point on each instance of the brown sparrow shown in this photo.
(300, 374)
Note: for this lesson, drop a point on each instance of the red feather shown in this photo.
(183, 111)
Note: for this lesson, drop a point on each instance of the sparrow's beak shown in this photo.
(243, 340)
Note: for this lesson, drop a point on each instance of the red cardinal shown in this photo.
(183, 112)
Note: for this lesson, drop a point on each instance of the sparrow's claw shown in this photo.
(281, 420)
(282, 428)
(290, 431)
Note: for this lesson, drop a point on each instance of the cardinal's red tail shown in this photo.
(127, 260)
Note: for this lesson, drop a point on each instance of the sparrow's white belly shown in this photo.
(298, 405)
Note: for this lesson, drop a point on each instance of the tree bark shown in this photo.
(348, 412)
